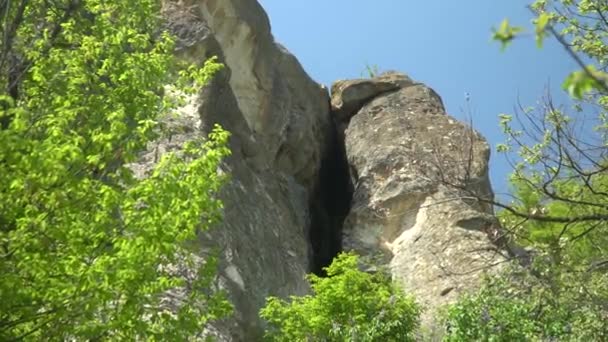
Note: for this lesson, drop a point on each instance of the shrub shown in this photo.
(347, 305)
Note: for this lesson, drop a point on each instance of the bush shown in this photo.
(525, 307)
(347, 305)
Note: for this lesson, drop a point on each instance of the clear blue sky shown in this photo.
(445, 44)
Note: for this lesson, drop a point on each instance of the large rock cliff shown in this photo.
(366, 170)
(280, 125)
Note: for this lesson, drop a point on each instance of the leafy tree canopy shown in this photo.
(560, 198)
(86, 249)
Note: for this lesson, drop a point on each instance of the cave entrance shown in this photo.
(330, 205)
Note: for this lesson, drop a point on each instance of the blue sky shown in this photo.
(445, 44)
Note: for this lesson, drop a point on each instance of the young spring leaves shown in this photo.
(86, 250)
(347, 305)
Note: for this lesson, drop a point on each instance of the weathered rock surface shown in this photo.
(407, 157)
(280, 125)
(290, 178)
(349, 95)
(286, 112)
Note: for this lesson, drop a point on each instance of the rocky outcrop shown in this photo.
(380, 156)
(280, 124)
(285, 111)
(347, 96)
(415, 170)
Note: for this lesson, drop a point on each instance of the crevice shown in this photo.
(330, 204)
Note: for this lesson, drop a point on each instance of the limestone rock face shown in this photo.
(286, 112)
(349, 95)
(280, 124)
(282, 106)
(293, 148)
(406, 157)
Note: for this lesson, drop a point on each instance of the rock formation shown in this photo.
(379, 154)
(416, 173)
(280, 124)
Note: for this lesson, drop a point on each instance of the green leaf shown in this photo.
(89, 243)
(582, 82)
(541, 25)
(505, 33)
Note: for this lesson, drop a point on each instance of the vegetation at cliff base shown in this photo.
(87, 250)
(347, 305)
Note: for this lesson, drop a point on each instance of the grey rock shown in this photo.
(407, 159)
(284, 108)
(280, 124)
(347, 96)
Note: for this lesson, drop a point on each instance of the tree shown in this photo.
(87, 251)
(522, 306)
(559, 185)
(347, 305)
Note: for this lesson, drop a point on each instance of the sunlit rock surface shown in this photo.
(407, 159)
(386, 142)
(280, 124)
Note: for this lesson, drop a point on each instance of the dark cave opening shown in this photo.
(330, 204)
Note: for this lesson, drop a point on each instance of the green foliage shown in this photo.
(490, 315)
(559, 208)
(581, 23)
(522, 307)
(559, 189)
(86, 249)
(560, 183)
(371, 70)
(505, 33)
(527, 311)
(541, 28)
(585, 81)
(582, 241)
(347, 305)
(580, 26)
